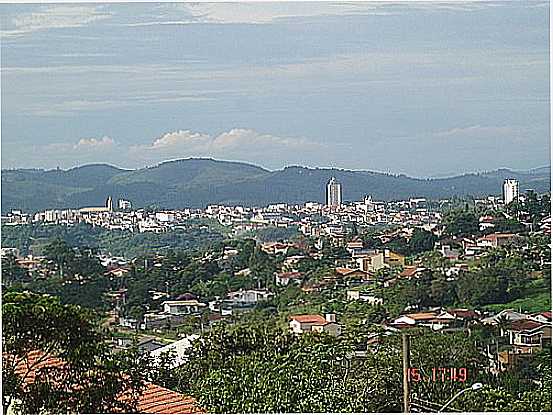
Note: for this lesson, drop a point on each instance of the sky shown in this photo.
(423, 89)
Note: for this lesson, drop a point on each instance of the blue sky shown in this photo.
(425, 89)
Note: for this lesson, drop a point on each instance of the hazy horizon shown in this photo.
(421, 89)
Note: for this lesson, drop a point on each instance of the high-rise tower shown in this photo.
(109, 204)
(333, 193)
(510, 190)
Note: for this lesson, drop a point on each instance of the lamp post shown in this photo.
(474, 387)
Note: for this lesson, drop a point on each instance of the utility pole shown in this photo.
(406, 364)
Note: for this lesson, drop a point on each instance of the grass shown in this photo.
(540, 301)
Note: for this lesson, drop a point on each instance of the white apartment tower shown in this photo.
(109, 204)
(333, 193)
(510, 190)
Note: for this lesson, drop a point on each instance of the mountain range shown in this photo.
(197, 182)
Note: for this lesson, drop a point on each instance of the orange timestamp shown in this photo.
(437, 374)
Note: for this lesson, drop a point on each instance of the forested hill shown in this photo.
(198, 182)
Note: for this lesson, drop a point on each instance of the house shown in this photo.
(393, 259)
(243, 272)
(353, 246)
(153, 399)
(284, 278)
(157, 320)
(248, 296)
(456, 269)
(349, 273)
(357, 295)
(459, 316)
(176, 349)
(117, 272)
(4, 252)
(293, 260)
(495, 240)
(486, 222)
(307, 323)
(449, 253)
(275, 248)
(176, 307)
(149, 345)
(528, 336)
(371, 262)
(431, 319)
(411, 271)
(505, 315)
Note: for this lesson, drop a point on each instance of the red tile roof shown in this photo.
(525, 325)
(292, 274)
(36, 360)
(408, 272)
(309, 318)
(158, 400)
(154, 399)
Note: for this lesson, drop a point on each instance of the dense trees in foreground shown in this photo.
(249, 368)
(61, 349)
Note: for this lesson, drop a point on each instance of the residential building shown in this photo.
(124, 204)
(315, 323)
(284, 278)
(510, 191)
(249, 296)
(394, 259)
(182, 307)
(371, 263)
(528, 336)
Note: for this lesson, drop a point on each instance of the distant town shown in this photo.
(364, 271)
(338, 215)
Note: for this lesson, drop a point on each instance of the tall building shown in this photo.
(109, 204)
(510, 190)
(333, 193)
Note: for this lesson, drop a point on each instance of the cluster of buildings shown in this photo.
(332, 219)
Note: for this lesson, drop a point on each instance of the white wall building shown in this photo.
(333, 193)
(510, 190)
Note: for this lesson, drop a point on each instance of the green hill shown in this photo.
(198, 182)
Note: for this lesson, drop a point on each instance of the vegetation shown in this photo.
(89, 378)
(33, 238)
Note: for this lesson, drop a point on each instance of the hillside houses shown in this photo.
(307, 323)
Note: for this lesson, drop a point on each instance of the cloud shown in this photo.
(476, 131)
(181, 139)
(55, 17)
(237, 144)
(94, 143)
(239, 139)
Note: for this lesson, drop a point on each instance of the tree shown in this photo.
(60, 253)
(260, 368)
(421, 241)
(72, 370)
(461, 223)
(12, 272)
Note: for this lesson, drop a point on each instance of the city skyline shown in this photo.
(332, 85)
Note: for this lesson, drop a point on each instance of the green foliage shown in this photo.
(91, 378)
(273, 233)
(12, 273)
(262, 369)
(421, 241)
(461, 223)
(122, 243)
